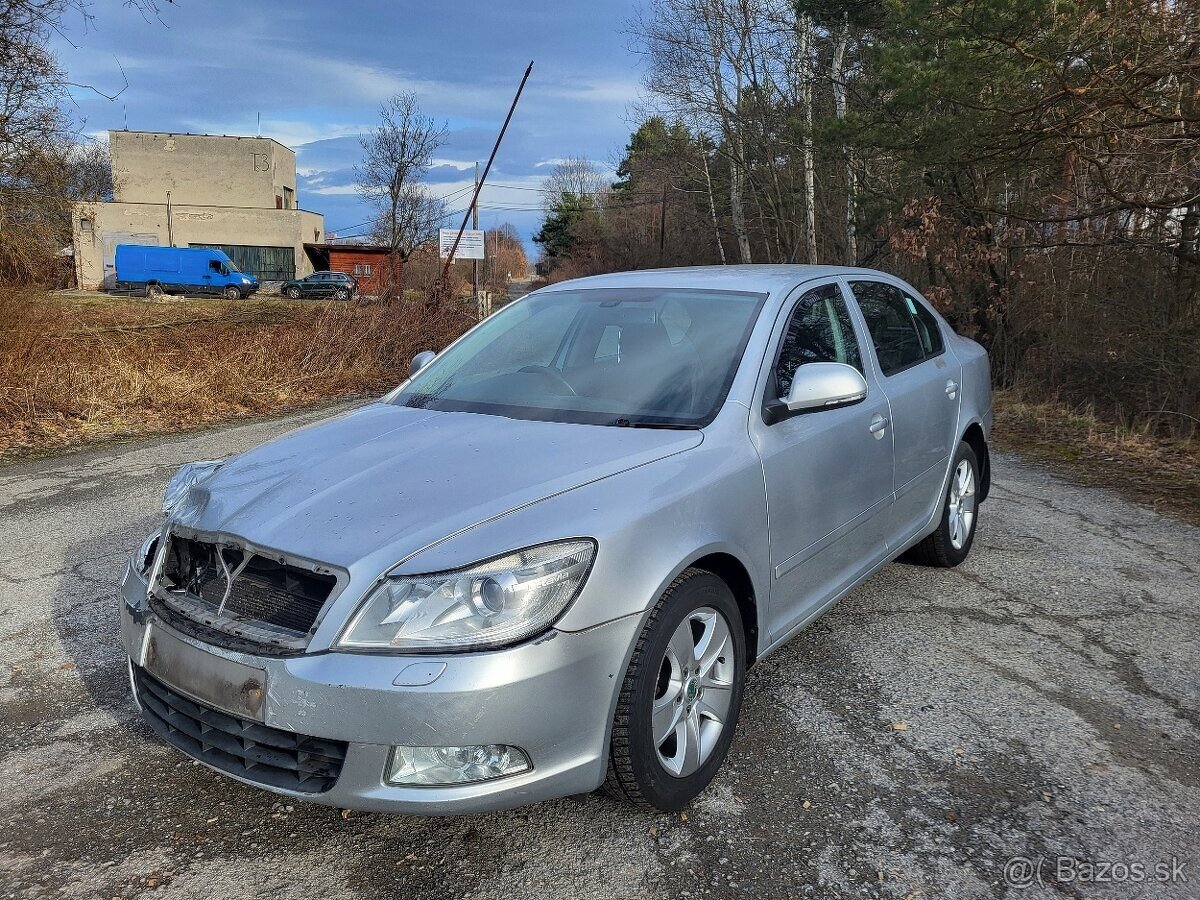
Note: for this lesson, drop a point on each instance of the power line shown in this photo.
(600, 193)
(451, 196)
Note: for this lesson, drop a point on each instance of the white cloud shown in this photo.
(333, 190)
(607, 92)
(461, 165)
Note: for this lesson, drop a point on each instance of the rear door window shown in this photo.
(903, 331)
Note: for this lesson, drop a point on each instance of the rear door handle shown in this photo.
(878, 426)
(951, 389)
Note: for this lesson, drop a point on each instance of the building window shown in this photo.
(85, 226)
(288, 198)
(362, 269)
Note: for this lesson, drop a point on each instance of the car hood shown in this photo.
(387, 481)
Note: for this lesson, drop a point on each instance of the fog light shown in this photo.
(455, 765)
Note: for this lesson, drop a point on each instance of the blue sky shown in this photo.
(317, 71)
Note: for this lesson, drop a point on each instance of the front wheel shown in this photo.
(681, 696)
(950, 544)
(233, 293)
(293, 293)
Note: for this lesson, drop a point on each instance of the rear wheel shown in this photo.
(681, 696)
(950, 544)
(233, 293)
(154, 291)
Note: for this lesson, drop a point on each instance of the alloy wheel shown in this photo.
(694, 691)
(962, 504)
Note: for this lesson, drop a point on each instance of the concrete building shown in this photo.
(237, 194)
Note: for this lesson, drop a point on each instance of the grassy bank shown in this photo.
(76, 370)
(1157, 471)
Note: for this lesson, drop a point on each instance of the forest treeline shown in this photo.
(1032, 165)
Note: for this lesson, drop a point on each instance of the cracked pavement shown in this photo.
(1041, 701)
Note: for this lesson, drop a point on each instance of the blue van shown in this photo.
(180, 270)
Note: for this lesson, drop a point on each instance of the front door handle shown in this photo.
(878, 426)
(951, 389)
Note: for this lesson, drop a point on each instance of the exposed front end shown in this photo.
(223, 668)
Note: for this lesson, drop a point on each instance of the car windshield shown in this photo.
(651, 357)
(229, 264)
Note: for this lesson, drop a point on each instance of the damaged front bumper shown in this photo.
(342, 713)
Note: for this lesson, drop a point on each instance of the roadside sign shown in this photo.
(470, 247)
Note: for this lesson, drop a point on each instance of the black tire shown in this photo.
(939, 549)
(341, 294)
(232, 293)
(154, 291)
(293, 293)
(635, 772)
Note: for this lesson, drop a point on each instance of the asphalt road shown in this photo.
(1041, 701)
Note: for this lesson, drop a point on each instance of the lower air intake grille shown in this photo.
(248, 749)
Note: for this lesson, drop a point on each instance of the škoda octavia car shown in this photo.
(545, 562)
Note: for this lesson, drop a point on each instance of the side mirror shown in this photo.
(425, 357)
(824, 385)
(817, 386)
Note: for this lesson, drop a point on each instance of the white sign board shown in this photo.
(470, 247)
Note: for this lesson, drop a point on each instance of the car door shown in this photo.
(828, 472)
(921, 380)
(206, 277)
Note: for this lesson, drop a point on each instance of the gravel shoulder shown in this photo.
(1041, 701)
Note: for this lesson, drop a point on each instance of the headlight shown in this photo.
(501, 601)
(188, 476)
(144, 558)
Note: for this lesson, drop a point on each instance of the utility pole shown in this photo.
(474, 262)
(486, 170)
(662, 228)
(170, 227)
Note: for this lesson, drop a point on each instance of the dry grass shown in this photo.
(1160, 472)
(74, 370)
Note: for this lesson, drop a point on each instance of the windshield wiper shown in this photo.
(664, 426)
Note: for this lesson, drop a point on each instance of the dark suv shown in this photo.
(337, 285)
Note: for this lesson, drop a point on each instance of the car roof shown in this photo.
(761, 278)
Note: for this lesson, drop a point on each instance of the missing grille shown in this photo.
(229, 589)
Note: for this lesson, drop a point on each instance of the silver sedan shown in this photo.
(544, 563)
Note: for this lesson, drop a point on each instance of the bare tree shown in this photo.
(45, 164)
(696, 70)
(505, 259)
(576, 177)
(37, 152)
(396, 155)
(735, 69)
